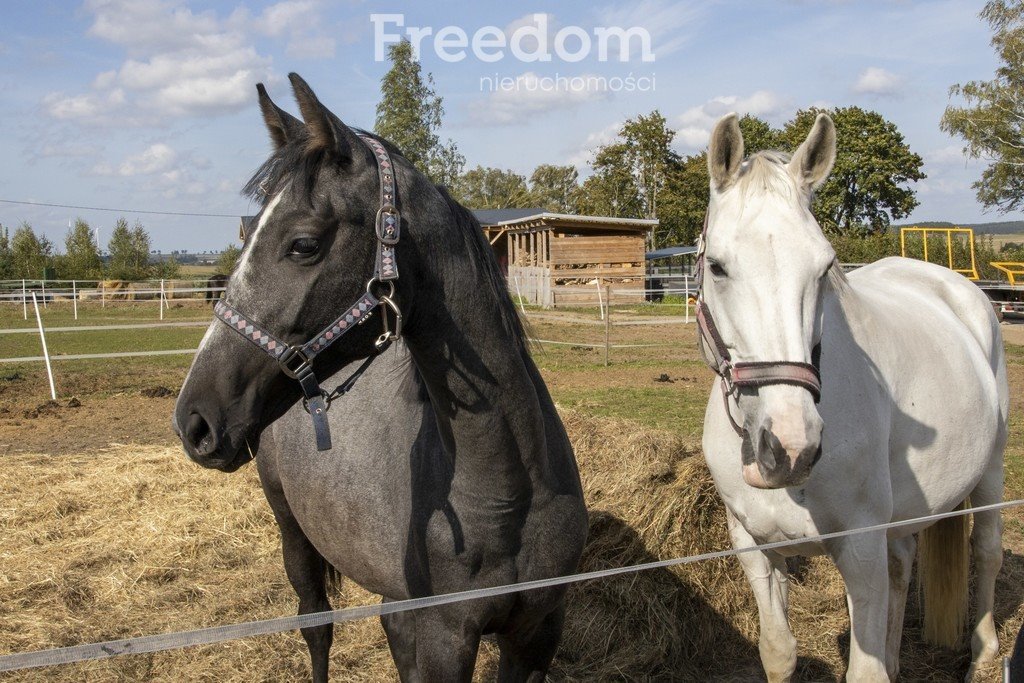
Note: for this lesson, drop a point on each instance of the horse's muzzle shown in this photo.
(776, 465)
(205, 446)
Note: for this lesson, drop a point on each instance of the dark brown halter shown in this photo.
(296, 360)
(755, 374)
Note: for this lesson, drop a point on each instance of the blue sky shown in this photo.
(152, 105)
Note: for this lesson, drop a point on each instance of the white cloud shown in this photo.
(297, 20)
(582, 155)
(693, 126)
(877, 81)
(669, 22)
(533, 23)
(948, 155)
(157, 158)
(182, 63)
(531, 95)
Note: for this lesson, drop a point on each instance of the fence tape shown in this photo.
(217, 634)
(104, 328)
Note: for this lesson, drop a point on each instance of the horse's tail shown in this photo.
(942, 576)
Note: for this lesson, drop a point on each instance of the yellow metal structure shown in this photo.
(1011, 269)
(971, 273)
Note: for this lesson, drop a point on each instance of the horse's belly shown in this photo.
(350, 520)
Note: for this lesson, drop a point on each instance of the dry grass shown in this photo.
(134, 540)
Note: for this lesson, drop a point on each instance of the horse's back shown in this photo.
(939, 352)
(910, 284)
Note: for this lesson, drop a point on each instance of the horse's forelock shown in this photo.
(767, 172)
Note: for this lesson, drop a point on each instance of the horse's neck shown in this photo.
(490, 409)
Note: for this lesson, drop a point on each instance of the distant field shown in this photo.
(198, 270)
(999, 240)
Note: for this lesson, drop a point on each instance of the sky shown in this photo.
(151, 106)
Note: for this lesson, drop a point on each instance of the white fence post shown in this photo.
(74, 297)
(600, 304)
(46, 354)
(24, 299)
(161, 299)
(519, 294)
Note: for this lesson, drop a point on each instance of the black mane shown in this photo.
(483, 254)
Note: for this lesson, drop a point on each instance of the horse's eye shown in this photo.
(716, 269)
(305, 246)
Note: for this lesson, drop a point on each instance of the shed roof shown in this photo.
(533, 218)
(668, 252)
(496, 216)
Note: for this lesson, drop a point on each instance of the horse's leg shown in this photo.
(901, 563)
(400, 628)
(766, 573)
(987, 547)
(527, 656)
(307, 572)
(862, 559)
(447, 641)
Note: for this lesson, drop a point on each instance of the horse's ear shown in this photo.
(326, 131)
(725, 152)
(282, 126)
(812, 161)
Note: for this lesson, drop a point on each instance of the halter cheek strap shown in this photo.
(753, 374)
(296, 360)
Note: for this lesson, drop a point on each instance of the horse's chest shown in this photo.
(774, 518)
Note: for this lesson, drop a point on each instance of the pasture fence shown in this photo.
(217, 634)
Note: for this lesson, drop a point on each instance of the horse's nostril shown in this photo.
(199, 435)
(770, 449)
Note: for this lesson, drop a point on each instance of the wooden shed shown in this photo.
(553, 258)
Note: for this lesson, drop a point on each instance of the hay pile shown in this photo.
(136, 540)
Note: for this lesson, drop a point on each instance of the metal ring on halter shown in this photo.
(374, 281)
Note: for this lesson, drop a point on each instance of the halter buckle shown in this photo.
(295, 370)
(388, 231)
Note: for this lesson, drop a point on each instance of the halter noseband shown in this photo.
(754, 374)
(296, 360)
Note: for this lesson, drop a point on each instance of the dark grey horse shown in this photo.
(451, 469)
(216, 282)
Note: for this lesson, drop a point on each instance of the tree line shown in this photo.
(24, 254)
(639, 175)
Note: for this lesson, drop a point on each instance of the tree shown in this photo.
(140, 251)
(992, 122)
(228, 259)
(81, 253)
(611, 189)
(867, 189)
(492, 188)
(166, 269)
(30, 254)
(129, 251)
(630, 173)
(6, 257)
(409, 115)
(554, 187)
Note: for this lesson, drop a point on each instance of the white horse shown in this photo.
(912, 417)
